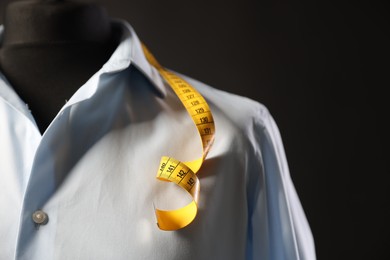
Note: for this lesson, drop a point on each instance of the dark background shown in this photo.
(322, 69)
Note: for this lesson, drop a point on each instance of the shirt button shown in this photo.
(40, 218)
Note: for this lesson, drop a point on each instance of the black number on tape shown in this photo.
(199, 110)
(181, 174)
(191, 182)
(171, 168)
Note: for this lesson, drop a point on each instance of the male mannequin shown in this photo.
(85, 189)
(50, 48)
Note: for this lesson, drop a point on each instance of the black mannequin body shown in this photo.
(50, 49)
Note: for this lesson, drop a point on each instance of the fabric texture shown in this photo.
(93, 173)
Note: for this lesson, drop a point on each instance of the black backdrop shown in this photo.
(321, 68)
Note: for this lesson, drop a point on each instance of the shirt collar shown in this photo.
(129, 51)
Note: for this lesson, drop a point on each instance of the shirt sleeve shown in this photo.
(277, 226)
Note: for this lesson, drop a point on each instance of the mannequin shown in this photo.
(51, 48)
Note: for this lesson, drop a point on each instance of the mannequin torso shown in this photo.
(51, 48)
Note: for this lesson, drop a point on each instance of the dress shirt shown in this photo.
(93, 173)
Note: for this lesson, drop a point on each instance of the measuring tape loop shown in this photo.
(183, 174)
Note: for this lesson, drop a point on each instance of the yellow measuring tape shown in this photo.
(184, 173)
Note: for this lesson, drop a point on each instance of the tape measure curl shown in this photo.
(184, 173)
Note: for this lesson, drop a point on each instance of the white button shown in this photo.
(39, 217)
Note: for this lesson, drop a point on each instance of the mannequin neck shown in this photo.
(51, 48)
(55, 22)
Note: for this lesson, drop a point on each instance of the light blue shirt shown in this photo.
(93, 173)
